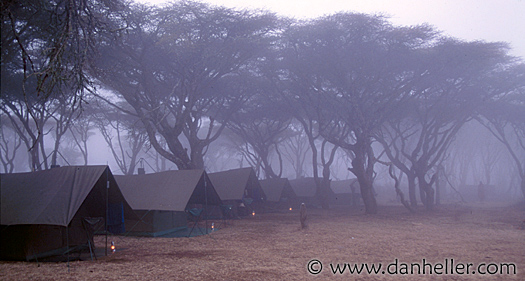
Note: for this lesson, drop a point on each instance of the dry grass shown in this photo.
(272, 247)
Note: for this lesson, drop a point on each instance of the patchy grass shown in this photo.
(273, 247)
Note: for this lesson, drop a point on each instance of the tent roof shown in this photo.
(230, 185)
(304, 187)
(47, 197)
(344, 186)
(165, 191)
(273, 188)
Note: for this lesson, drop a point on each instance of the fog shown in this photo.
(341, 96)
(468, 19)
(474, 157)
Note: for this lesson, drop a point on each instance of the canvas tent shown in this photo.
(306, 191)
(163, 200)
(47, 213)
(346, 192)
(239, 189)
(279, 192)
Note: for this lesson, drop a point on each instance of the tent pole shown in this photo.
(107, 207)
(206, 203)
(67, 246)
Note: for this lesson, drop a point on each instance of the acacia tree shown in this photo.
(504, 116)
(452, 87)
(46, 50)
(124, 135)
(480, 161)
(53, 42)
(171, 64)
(511, 133)
(26, 122)
(262, 129)
(306, 113)
(394, 137)
(306, 110)
(33, 117)
(62, 119)
(10, 143)
(458, 76)
(459, 159)
(80, 131)
(296, 148)
(356, 68)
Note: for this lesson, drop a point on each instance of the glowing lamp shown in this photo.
(113, 248)
(290, 208)
(212, 226)
(253, 213)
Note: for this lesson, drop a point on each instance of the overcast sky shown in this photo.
(488, 20)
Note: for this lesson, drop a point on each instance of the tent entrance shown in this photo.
(39, 242)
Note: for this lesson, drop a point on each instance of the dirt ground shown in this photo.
(273, 247)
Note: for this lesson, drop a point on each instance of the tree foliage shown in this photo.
(353, 71)
(178, 75)
(173, 65)
(47, 47)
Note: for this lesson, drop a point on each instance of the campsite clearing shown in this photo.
(272, 247)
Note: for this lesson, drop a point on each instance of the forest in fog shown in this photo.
(406, 110)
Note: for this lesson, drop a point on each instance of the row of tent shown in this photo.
(51, 212)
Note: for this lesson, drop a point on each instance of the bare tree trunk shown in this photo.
(323, 193)
(35, 159)
(430, 198)
(40, 145)
(438, 191)
(368, 196)
(523, 187)
(325, 182)
(365, 178)
(427, 193)
(398, 190)
(412, 190)
(197, 159)
(422, 193)
(54, 154)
